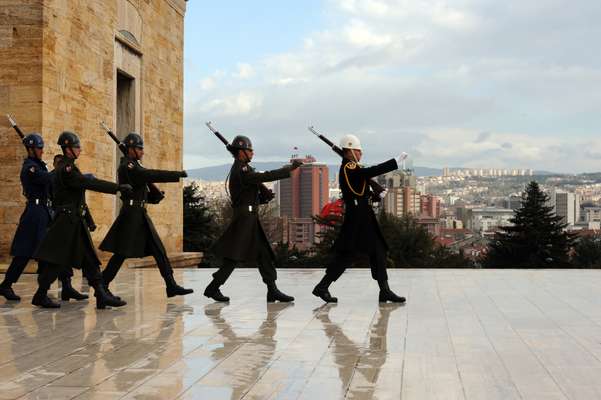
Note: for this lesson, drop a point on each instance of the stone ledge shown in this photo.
(178, 260)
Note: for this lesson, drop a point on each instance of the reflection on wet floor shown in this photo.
(463, 334)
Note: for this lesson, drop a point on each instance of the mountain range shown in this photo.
(219, 172)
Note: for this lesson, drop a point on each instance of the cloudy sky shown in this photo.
(471, 83)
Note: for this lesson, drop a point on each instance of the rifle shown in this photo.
(155, 195)
(265, 194)
(15, 126)
(220, 137)
(375, 187)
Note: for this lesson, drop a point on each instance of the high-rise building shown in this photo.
(305, 193)
(402, 197)
(301, 197)
(565, 205)
(429, 206)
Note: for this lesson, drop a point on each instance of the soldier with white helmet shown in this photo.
(360, 232)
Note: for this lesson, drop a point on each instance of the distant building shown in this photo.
(301, 197)
(488, 220)
(299, 232)
(305, 193)
(402, 197)
(591, 214)
(480, 172)
(512, 202)
(452, 223)
(565, 205)
(429, 206)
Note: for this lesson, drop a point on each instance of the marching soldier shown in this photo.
(68, 242)
(36, 181)
(244, 240)
(133, 234)
(360, 232)
(64, 276)
(37, 188)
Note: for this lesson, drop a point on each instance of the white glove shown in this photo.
(401, 159)
(383, 193)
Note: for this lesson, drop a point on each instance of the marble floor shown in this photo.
(464, 334)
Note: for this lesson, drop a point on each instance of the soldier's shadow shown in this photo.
(369, 358)
(253, 352)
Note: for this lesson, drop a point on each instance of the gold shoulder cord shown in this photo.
(348, 165)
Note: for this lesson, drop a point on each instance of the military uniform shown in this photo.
(360, 231)
(133, 234)
(68, 241)
(36, 182)
(244, 240)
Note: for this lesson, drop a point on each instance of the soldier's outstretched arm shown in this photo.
(74, 178)
(254, 177)
(156, 175)
(375, 170)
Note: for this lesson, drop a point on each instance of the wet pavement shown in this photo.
(464, 334)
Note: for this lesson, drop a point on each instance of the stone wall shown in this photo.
(74, 88)
(20, 95)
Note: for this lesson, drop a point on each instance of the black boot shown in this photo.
(41, 299)
(321, 290)
(7, 291)
(108, 291)
(274, 294)
(173, 289)
(103, 299)
(212, 292)
(68, 292)
(388, 295)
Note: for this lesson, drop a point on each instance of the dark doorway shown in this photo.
(126, 114)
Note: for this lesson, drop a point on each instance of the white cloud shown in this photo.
(245, 71)
(429, 76)
(243, 103)
(359, 34)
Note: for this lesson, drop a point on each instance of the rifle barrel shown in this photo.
(13, 123)
(219, 135)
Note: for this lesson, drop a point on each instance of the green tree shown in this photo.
(200, 225)
(324, 239)
(537, 238)
(291, 257)
(587, 252)
(410, 244)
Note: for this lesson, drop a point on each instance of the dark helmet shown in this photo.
(133, 140)
(33, 141)
(241, 143)
(68, 139)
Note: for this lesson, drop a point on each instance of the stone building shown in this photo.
(69, 64)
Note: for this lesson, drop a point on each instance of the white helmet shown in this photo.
(350, 142)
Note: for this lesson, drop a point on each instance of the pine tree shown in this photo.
(200, 226)
(587, 252)
(537, 238)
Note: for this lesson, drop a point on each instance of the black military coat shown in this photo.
(68, 238)
(133, 229)
(36, 182)
(360, 230)
(244, 237)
